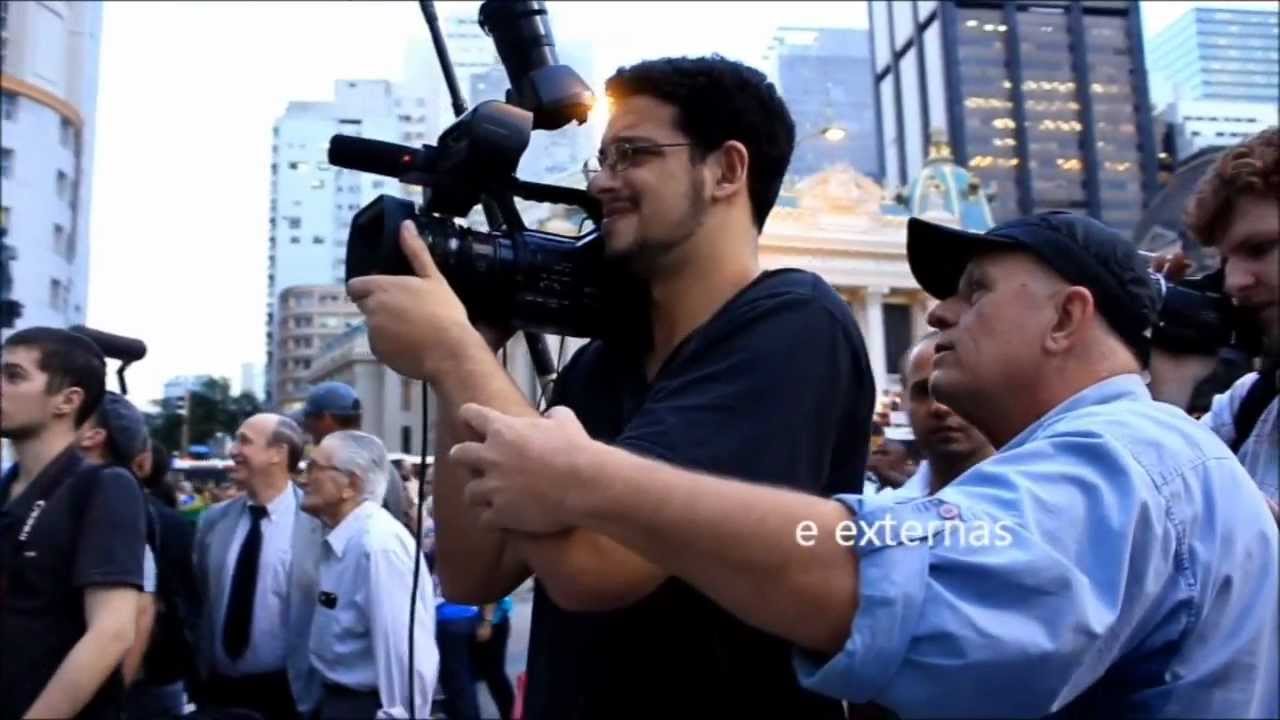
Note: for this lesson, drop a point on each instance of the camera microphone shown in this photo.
(125, 349)
(380, 158)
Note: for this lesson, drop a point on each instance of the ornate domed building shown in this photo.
(843, 226)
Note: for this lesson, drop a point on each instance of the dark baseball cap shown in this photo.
(126, 428)
(331, 397)
(1082, 250)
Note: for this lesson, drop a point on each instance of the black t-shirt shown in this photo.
(774, 388)
(88, 531)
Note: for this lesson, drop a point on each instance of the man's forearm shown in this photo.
(580, 570)
(99, 651)
(132, 664)
(473, 563)
(585, 571)
(737, 542)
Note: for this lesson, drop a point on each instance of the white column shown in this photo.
(874, 334)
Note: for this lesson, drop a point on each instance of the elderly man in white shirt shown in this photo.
(360, 633)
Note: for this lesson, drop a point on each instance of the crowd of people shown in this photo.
(1059, 538)
(287, 596)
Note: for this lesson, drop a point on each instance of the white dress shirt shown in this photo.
(268, 635)
(360, 634)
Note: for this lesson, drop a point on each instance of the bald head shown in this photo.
(267, 448)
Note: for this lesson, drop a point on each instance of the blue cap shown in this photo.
(334, 398)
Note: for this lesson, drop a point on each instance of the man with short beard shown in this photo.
(1236, 209)
(762, 375)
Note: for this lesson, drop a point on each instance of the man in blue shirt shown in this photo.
(1112, 557)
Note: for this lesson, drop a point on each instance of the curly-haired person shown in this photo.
(1236, 209)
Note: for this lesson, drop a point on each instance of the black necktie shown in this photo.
(244, 584)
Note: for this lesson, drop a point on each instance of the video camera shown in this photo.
(1197, 317)
(511, 275)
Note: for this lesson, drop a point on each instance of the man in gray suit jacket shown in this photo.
(256, 561)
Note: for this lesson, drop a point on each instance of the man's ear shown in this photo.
(1073, 311)
(68, 401)
(731, 170)
(92, 438)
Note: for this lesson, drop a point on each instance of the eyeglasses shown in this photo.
(619, 156)
(312, 467)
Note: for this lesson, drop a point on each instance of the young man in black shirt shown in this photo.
(71, 538)
(758, 375)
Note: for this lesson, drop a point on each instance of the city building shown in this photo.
(825, 77)
(48, 96)
(1231, 55)
(177, 387)
(251, 379)
(1198, 124)
(1046, 99)
(308, 317)
(391, 405)
(312, 202)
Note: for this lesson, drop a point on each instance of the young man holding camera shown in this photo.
(760, 375)
(71, 538)
(1236, 209)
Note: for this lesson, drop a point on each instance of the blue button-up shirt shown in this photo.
(1114, 557)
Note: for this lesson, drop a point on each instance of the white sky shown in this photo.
(187, 97)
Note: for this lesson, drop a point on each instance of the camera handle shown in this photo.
(539, 353)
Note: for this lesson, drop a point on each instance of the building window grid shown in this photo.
(987, 100)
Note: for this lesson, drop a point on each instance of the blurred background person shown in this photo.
(256, 565)
(947, 442)
(333, 406)
(116, 434)
(489, 654)
(890, 463)
(359, 636)
(169, 663)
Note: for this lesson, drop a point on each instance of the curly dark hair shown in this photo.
(718, 100)
(1250, 168)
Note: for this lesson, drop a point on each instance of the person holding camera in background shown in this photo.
(71, 537)
(760, 375)
(1236, 209)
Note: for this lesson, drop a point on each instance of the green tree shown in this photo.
(213, 410)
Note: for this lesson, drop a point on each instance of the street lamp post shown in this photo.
(831, 133)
